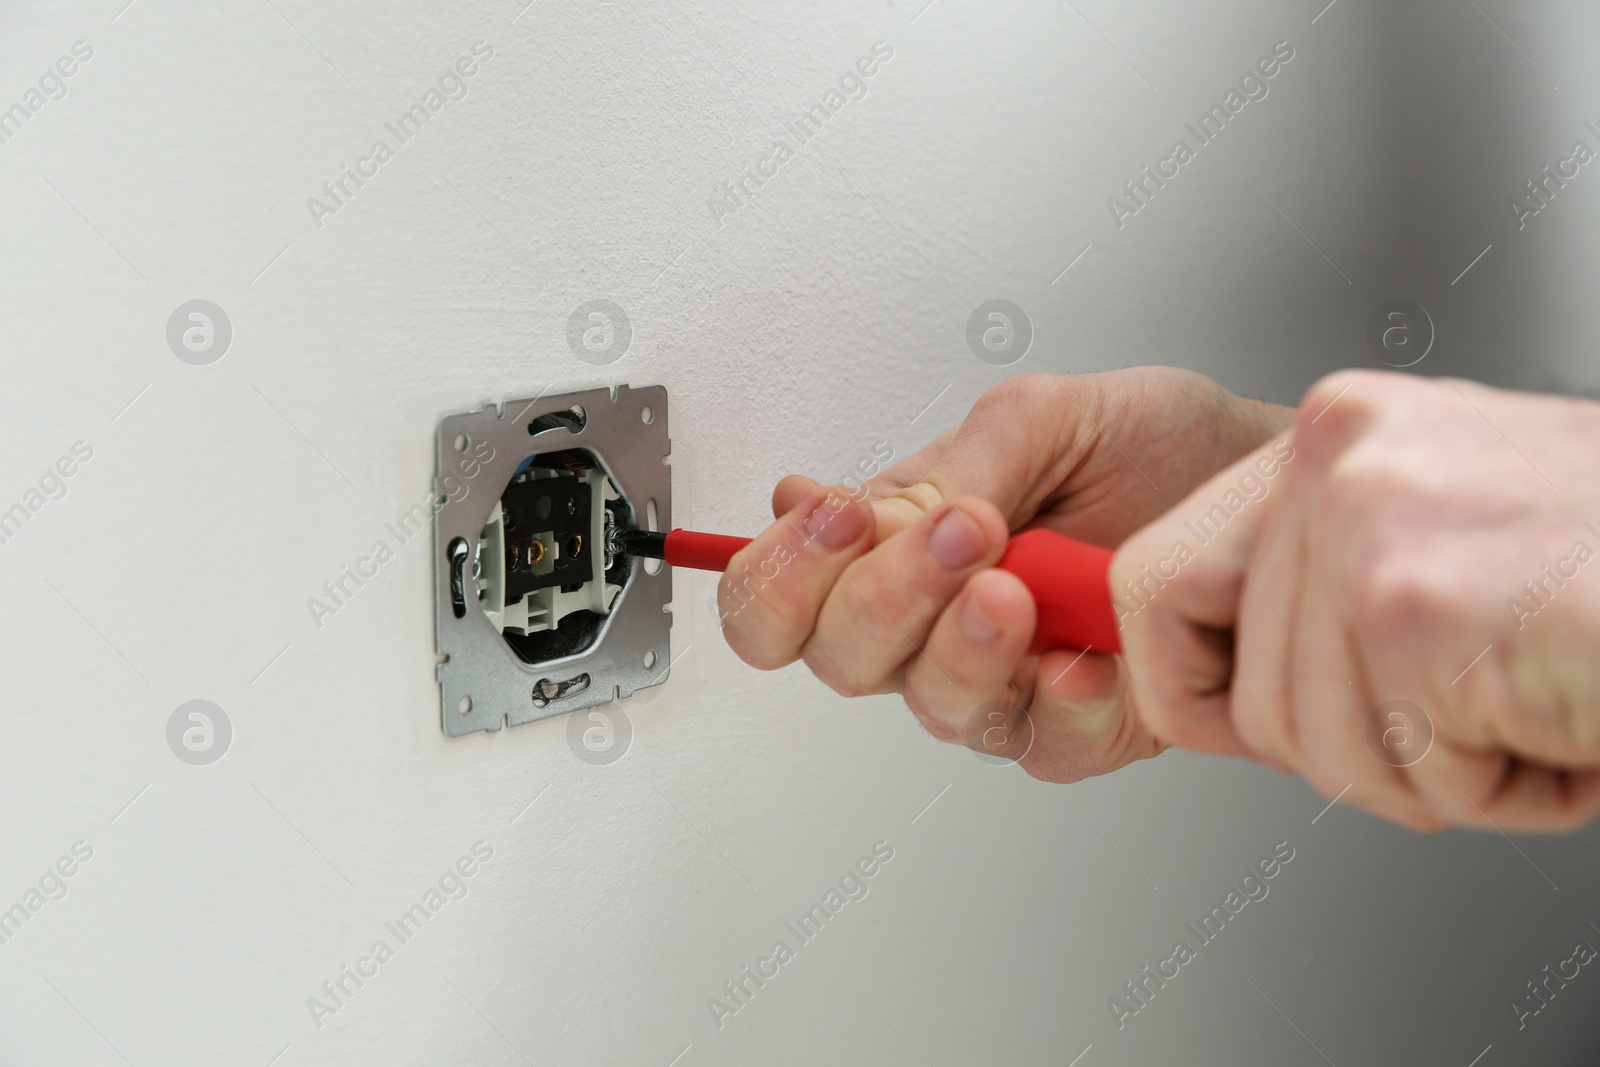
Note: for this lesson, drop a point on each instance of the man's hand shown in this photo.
(1432, 542)
(894, 590)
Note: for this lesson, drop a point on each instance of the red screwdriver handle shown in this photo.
(702, 551)
(1070, 582)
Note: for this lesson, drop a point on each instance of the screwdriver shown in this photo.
(1069, 580)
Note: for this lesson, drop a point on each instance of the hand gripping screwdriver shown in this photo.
(1069, 580)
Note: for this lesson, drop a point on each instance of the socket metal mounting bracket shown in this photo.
(483, 683)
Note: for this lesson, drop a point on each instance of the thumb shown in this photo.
(1020, 441)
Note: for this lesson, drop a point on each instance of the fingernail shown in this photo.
(978, 626)
(836, 527)
(957, 541)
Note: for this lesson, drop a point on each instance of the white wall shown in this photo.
(810, 325)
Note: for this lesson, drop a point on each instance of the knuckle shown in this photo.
(1362, 389)
(1399, 579)
(1517, 724)
(835, 675)
(1395, 594)
(1421, 802)
(872, 591)
(1023, 399)
(1042, 769)
(1131, 564)
(938, 728)
(1339, 406)
(1204, 571)
(1064, 765)
(752, 623)
(1419, 816)
(1362, 479)
(1173, 730)
(1255, 733)
(1575, 818)
(1330, 387)
(1424, 821)
(960, 673)
(750, 649)
(1173, 714)
(855, 648)
(1018, 391)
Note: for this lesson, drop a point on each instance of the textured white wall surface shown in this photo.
(797, 327)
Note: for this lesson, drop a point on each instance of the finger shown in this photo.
(1489, 788)
(880, 611)
(1496, 792)
(791, 491)
(1304, 691)
(773, 588)
(1082, 720)
(1180, 668)
(880, 491)
(971, 655)
(1460, 767)
(1343, 751)
(1011, 449)
(1261, 702)
(913, 468)
(1178, 585)
(1546, 798)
